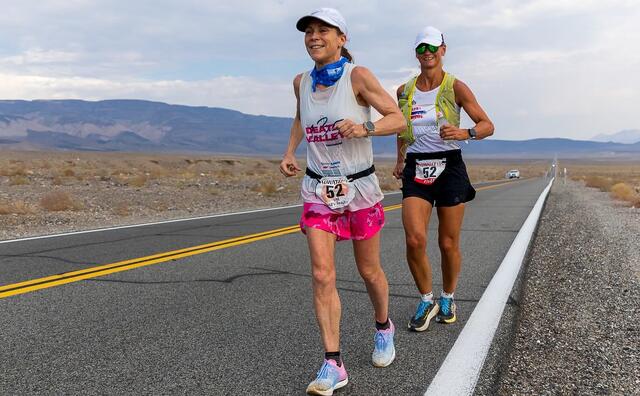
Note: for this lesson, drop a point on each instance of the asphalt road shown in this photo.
(238, 320)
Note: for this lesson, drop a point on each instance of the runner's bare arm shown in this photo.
(369, 92)
(289, 166)
(400, 145)
(467, 100)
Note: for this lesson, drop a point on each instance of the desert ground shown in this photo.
(621, 179)
(49, 192)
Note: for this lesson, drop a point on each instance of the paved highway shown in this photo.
(223, 305)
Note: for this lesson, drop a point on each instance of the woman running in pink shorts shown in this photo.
(340, 189)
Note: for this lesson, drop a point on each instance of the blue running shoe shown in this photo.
(447, 313)
(426, 311)
(384, 351)
(329, 378)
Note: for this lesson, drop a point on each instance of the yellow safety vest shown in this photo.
(445, 104)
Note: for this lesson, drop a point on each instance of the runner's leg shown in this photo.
(367, 255)
(450, 219)
(325, 295)
(416, 213)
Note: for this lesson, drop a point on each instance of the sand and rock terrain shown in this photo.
(52, 192)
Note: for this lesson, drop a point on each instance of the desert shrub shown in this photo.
(15, 169)
(120, 172)
(102, 174)
(18, 180)
(265, 187)
(623, 192)
(137, 181)
(68, 173)
(120, 179)
(188, 175)
(57, 201)
(600, 182)
(17, 207)
(224, 173)
(157, 172)
(121, 209)
(158, 206)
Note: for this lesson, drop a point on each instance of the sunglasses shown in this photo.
(422, 48)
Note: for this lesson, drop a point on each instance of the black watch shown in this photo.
(472, 133)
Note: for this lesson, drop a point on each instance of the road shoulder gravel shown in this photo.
(576, 312)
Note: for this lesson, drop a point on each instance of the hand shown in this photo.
(289, 165)
(449, 132)
(348, 129)
(397, 171)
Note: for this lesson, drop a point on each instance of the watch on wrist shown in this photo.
(472, 133)
(370, 127)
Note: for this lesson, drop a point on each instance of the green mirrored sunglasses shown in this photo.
(422, 48)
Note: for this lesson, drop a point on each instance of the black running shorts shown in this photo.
(451, 188)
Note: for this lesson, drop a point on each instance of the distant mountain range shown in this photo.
(137, 125)
(627, 136)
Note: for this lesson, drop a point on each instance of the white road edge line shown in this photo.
(146, 224)
(155, 223)
(460, 370)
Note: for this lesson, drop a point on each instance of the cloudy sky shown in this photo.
(547, 68)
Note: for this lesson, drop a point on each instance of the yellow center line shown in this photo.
(126, 265)
(495, 185)
(92, 272)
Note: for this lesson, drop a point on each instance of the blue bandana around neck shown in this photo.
(329, 74)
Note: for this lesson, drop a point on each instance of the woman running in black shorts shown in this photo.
(433, 173)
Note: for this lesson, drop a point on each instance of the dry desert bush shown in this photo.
(121, 209)
(18, 180)
(17, 207)
(623, 191)
(141, 184)
(267, 187)
(620, 178)
(57, 201)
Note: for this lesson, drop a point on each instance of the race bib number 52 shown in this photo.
(335, 192)
(427, 171)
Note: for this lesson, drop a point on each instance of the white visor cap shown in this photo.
(330, 16)
(429, 35)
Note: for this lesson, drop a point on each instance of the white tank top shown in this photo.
(328, 154)
(425, 125)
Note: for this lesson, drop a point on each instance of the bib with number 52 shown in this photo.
(335, 192)
(427, 171)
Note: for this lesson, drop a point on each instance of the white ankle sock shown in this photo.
(446, 295)
(427, 297)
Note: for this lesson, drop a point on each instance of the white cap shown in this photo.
(429, 35)
(330, 16)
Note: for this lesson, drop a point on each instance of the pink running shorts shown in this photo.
(358, 225)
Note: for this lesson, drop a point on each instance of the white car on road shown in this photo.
(513, 174)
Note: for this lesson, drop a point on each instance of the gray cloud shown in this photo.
(540, 68)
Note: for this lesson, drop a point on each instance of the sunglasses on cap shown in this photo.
(424, 47)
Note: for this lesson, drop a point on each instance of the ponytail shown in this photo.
(345, 52)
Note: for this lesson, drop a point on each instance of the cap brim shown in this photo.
(302, 23)
(429, 41)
